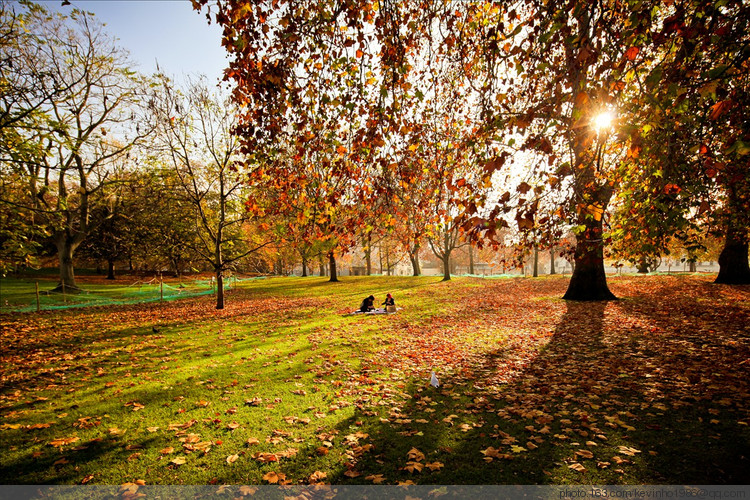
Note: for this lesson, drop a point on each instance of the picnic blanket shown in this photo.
(376, 311)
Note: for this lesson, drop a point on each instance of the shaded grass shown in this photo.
(321, 390)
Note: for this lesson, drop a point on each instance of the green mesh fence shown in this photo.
(21, 296)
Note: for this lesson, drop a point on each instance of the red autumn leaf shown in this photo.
(719, 109)
(631, 53)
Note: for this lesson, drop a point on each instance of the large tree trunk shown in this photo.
(733, 263)
(219, 268)
(414, 258)
(471, 258)
(176, 266)
(536, 262)
(66, 246)
(692, 267)
(446, 266)
(552, 260)
(446, 257)
(589, 281)
(219, 289)
(368, 254)
(110, 269)
(304, 267)
(643, 265)
(332, 266)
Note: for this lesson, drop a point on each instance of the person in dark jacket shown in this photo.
(390, 304)
(368, 304)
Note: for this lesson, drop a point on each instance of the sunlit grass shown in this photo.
(286, 380)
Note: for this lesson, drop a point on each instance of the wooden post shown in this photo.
(38, 308)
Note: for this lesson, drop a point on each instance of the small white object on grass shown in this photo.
(434, 380)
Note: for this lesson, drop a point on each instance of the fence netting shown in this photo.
(139, 292)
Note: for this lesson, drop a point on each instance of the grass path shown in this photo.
(283, 386)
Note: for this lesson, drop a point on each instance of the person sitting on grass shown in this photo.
(368, 304)
(390, 304)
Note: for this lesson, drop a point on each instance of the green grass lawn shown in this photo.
(284, 386)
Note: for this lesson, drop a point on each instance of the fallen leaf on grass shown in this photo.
(274, 477)
(413, 466)
(375, 478)
(178, 461)
(317, 476)
(59, 442)
(577, 467)
(288, 453)
(37, 426)
(585, 454)
(167, 450)
(433, 466)
(415, 454)
(265, 457)
(626, 450)
(232, 459)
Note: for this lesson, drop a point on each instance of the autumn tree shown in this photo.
(85, 125)
(695, 138)
(328, 82)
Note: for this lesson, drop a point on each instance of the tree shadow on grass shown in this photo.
(611, 398)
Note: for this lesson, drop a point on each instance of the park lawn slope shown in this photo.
(284, 386)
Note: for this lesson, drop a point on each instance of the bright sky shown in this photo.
(167, 31)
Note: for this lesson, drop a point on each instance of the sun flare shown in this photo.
(603, 120)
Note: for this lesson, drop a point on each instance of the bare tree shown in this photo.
(196, 129)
